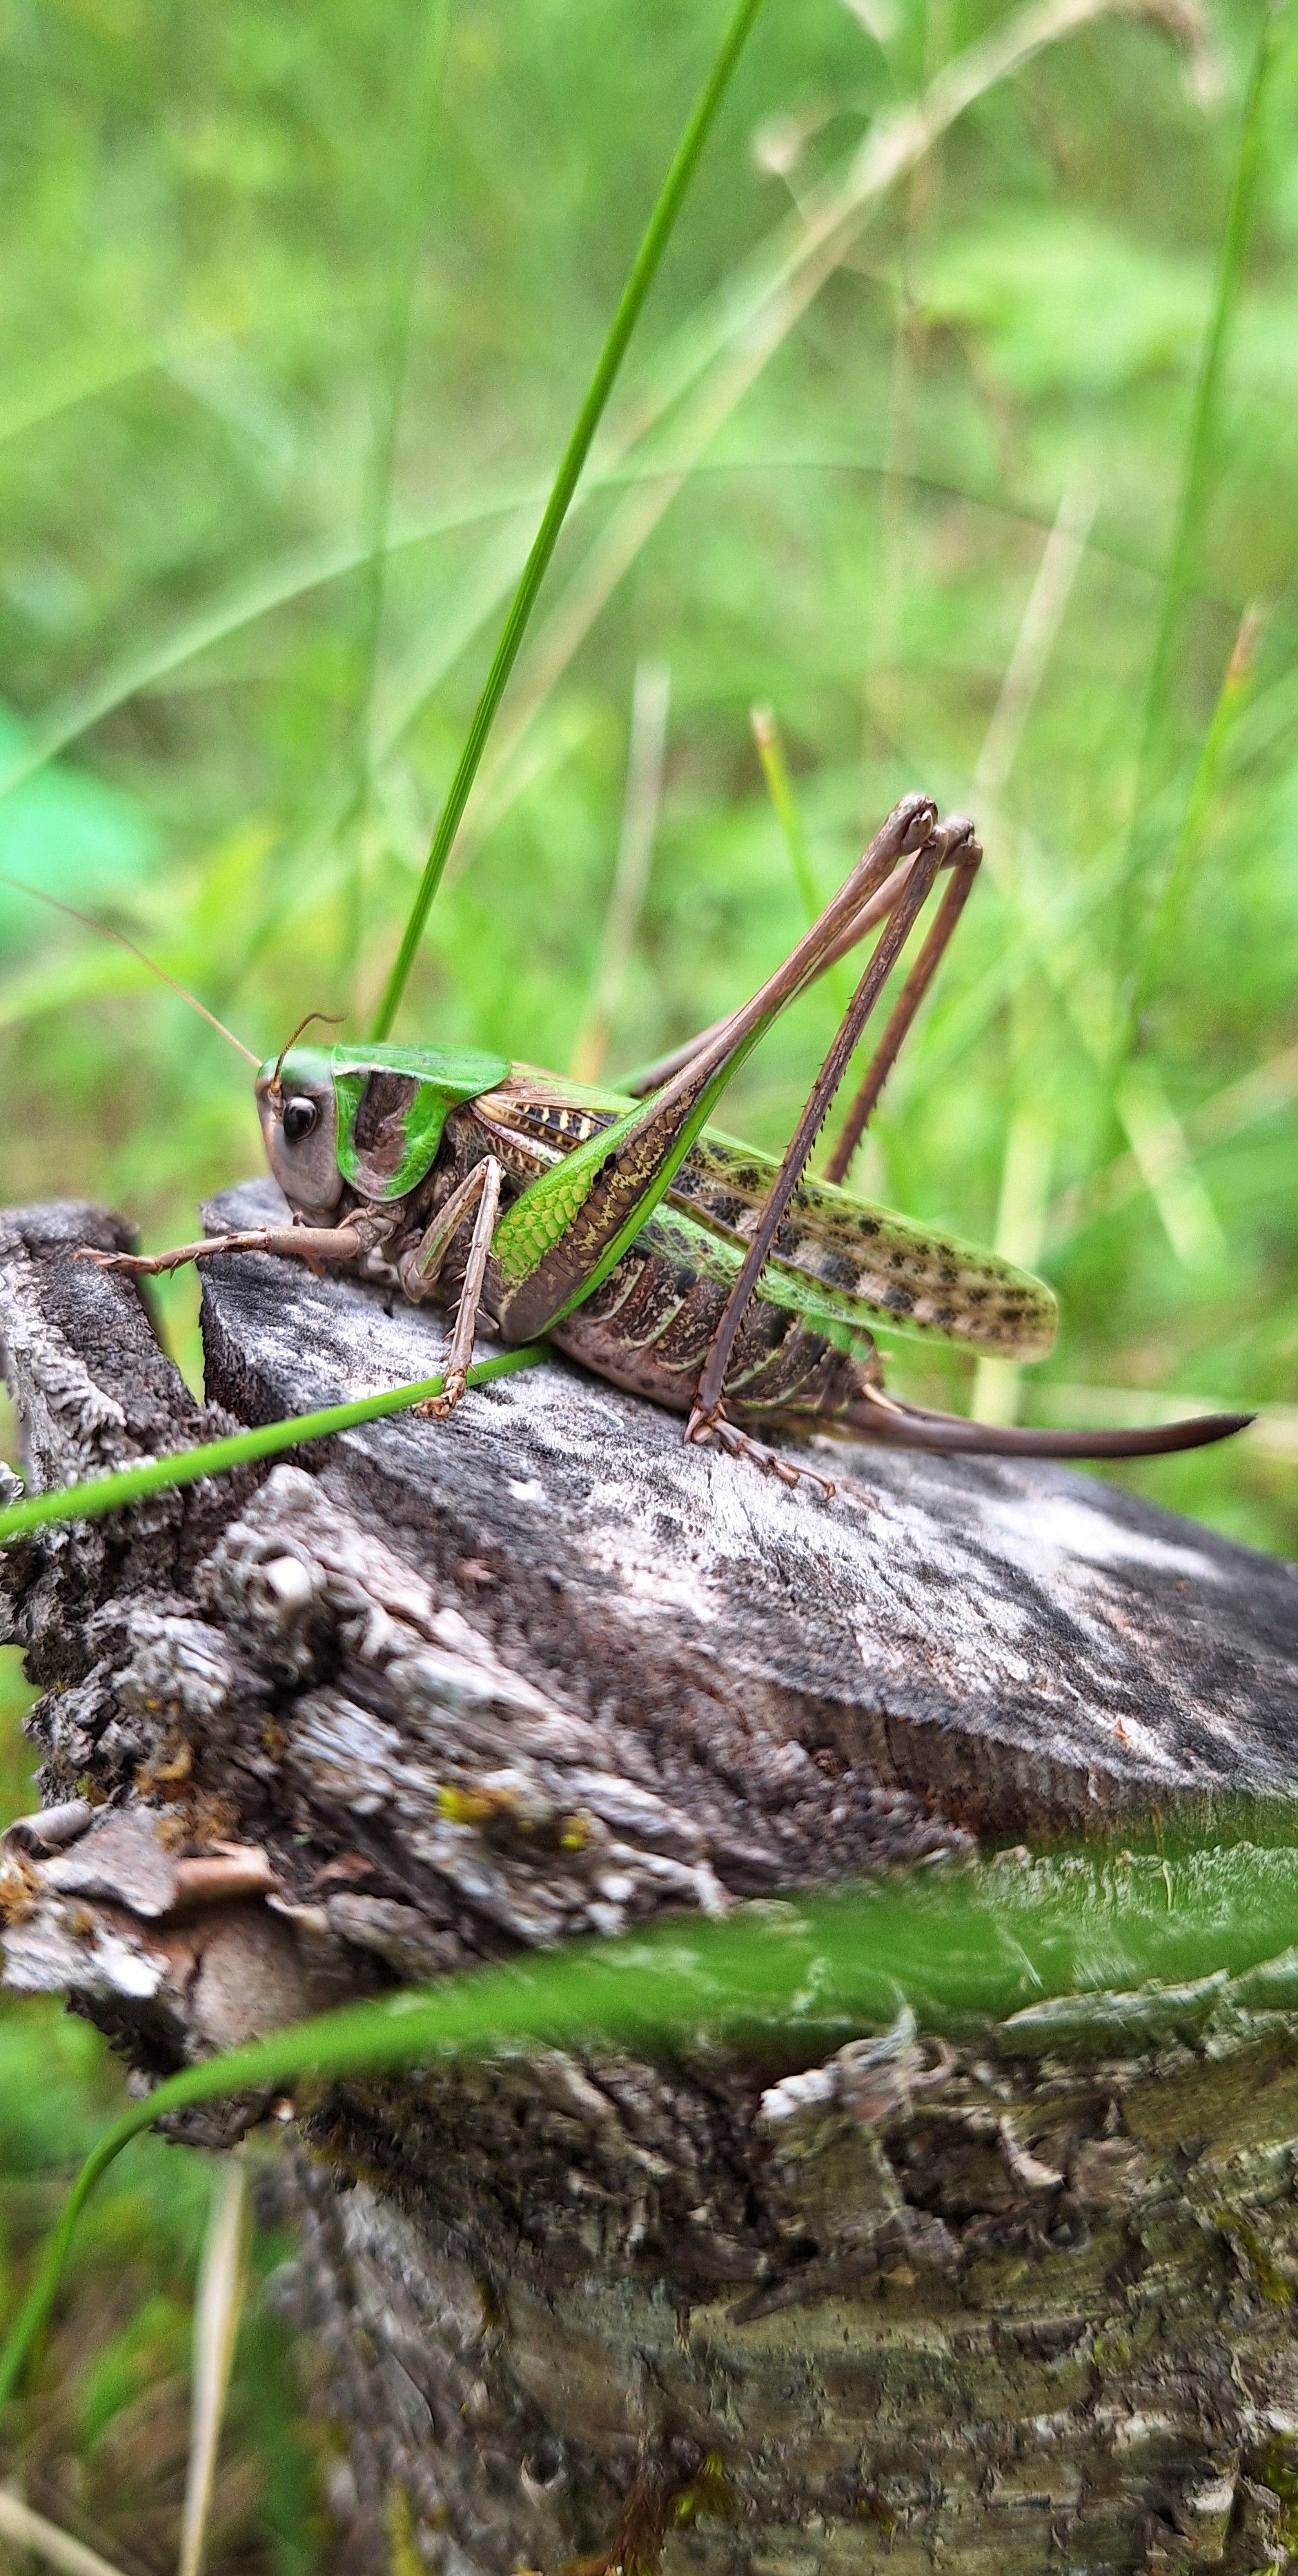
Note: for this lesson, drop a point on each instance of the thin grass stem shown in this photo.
(1020, 1221)
(1196, 475)
(662, 223)
(216, 2325)
(1052, 589)
(1165, 1160)
(127, 1485)
(650, 699)
(717, 367)
(1231, 697)
(1029, 1148)
(412, 199)
(30, 2532)
(779, 787)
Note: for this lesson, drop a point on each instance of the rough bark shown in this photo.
(433, 1692)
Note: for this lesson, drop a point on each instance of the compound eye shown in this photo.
(300, 1116)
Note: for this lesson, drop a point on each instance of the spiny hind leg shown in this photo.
(964, 868)
(874, 909)
(949, 842)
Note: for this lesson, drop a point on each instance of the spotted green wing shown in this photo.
(869, 1266)
(846, 1265)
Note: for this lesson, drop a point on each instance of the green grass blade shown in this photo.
(1181, 867)
(215, 1457)
(1085, 1932)
(410, 204)
(643, 269)
(779, 787)
(296, 577)
(642, 802)
(1151, 762)
(292, 579)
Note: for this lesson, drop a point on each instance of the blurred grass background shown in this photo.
(984, 477)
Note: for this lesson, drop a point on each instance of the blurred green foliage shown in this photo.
(299, 305)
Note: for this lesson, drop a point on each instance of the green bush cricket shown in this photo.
(632, 1235)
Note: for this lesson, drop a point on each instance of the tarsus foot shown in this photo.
(137, 1263)
(704, 1426)
(436, 1407)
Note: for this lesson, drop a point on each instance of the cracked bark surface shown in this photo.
(433, 1692)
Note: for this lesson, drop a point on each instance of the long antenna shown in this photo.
(106, 931)
(332, 1017)
(657, 234)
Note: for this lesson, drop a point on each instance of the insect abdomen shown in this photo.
(650, 1325)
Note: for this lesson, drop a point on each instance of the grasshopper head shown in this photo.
(299, 1121)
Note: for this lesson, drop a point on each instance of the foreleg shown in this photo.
(310, 1243)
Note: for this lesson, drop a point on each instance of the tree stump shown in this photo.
(433, 1692)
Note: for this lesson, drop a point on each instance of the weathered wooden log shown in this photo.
(437, 1691)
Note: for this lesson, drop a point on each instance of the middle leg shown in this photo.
(420, 1269)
